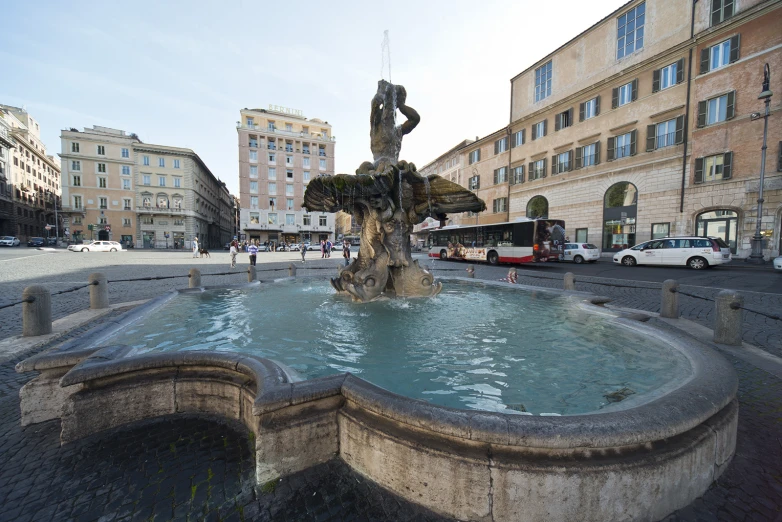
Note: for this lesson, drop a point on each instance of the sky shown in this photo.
(177, 73)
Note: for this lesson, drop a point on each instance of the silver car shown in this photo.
(10, 241)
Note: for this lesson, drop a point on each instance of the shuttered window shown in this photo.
(625, 94)
(537, 169)
(721, 10)
(563, 119)
(500, 145)
(587, 155)
(517, 175)
(474, 183)
(589, 109)
(714, 168)
(517, 138)
(539, 130)
(717, 109)
(720, 55)
(622, 146)
(668, 76)
(500, 175)
(500, 205)
(562, 162)
(475, 156)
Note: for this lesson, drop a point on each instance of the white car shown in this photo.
(9, 241)
(580, 252)
(778, 264)
(97, 246)
(693, 251)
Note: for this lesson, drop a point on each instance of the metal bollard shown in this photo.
(729, 316)
(195, 278)
(99, 291)
(36, 311)
(292, 270)
(569, 281)
(251, 274)
(669, 305)
(471, 271)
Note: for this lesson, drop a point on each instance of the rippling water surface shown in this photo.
(470, 347)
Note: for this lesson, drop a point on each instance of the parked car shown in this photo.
(692, 251)
(51, 241)
(580, 252)
(36, 242)
(778, 264)
(97, 246)
(314, 246)
(10, 241)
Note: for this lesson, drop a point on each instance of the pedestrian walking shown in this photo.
(322, 249)
(329, 246)
(195, 247)
(234, 250)
(253, 251)
(346, 251)
(303, 252)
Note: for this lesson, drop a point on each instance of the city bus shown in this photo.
(526, 241)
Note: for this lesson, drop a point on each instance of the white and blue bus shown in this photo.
(527, 241)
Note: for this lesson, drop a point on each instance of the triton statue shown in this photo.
(387, 198)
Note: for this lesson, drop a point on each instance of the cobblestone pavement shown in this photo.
(184, 468)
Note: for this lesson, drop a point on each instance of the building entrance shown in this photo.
(148, 239)
(620, 210)
(719, 223)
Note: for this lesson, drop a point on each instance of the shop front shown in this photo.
(148, 239)
(620, 209)
(719, 223)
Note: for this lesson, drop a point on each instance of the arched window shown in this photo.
(622, 194)
(620, 210)
(162, 201)
(537, 207)
(146, 202)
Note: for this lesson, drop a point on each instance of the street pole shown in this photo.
(56, 223)
(757, 240)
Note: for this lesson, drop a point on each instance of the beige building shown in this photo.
(640, 127)
(32, 176)
(280, 151)
(145, 195)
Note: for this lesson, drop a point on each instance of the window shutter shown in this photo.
(570, 159)
(699, 170)
(633, 140)
(610, 149)
(727, 165)
(779, 162)
(635, 90)
(531, 169)
(597, 152)
(553, 164)
(543, 174)
(523, 136)
(705, 60)
(615, 97)
(512, 180)
(731, 109)
(650, 137)
(728, 10)
(581, 111)
(579, 151)
(495, 175)
(597, 105)
(521, 169)
(716, 7)
(545, 127)
(679, 136)
(680, 71)
(557, 125)
(734, 48)
(702, 105)
(497, 148)
(570, 116)
(534, 132)
(477, 182)
(656, 80)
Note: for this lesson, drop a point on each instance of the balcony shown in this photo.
(300, 134)
(159, 210)
(322, 153)
(271, 147)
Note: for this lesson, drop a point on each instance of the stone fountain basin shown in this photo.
(639, 463)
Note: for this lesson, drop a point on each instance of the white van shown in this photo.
(693, 251)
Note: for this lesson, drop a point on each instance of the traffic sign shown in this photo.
(48, 227)
(90, 227)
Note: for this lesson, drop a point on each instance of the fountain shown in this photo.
(387, 197)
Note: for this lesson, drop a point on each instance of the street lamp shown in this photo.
(757, 240)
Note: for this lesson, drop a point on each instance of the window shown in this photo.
(500, 145)
(255, 218)
(254, 202)
(272, 173)
(146, 202)
(253, 156)
(176, 163)
(321, 151)
(561, 163)
(103, 203)
(77, 220)
(125, 222)
(101, 167)
(322, 164)
(272, 203)
(102, 182)
(717, 109)
(254, 187)
(537, 207)
(75, 165)
(500, 205)
(720, 55)
(589, 109)
(582, 235)
(289, 204)
(563, 119)
(126, 204)
(145, 160)
(179, 222)
(714, 168)
(539, 130)
(125, 153)
(270, 125)
(271, 145)
(721, 10)
(322, 221)
(668, 76)
(664, 134)
(77, 202)
(77, 181)
(474, 183)
(475, 156)
(289, 161)
(74, 147)
(625, 94)
(305, 163)
(306, 220)
(177, 204)
(517, 175)
(126, 170)
(289, 175)
(250, 122)
(161, 162)
(588, 155)
(272, 188)
(305, 176)
(253, 142)
(543, 81)
(500, 175)
(177, 182)
(125, 184)
(146, 221)
(288, 146)
(146, 179)
(103, 221)
(630, 31)
(660, 230)
(622, 146)
(253, 171)
(537, 169)
(161, 181)
(288, 190)
(101, 150)
(517, 138)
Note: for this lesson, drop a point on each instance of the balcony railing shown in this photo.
(160, 210)
(666, 140)
(281, 132)
(322, 153)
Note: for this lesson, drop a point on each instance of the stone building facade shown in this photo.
(280, 151)
(149, 196)
(31, 193)
(640, 127)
